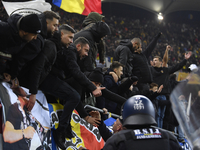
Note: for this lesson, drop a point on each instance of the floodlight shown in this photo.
(160, 16)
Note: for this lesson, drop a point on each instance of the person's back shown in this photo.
(143, 139)
(123, 54)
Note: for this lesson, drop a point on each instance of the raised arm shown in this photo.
(152, 45)
(181, 64)
(165, 57)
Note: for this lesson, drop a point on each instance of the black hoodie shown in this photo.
(93, 33)
(124, 55)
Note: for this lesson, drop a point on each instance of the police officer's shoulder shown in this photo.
(169, 135)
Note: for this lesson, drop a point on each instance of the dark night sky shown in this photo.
(119, 9)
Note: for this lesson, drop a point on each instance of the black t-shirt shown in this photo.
(15, 117)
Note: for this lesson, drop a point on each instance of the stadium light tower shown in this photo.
(160, 16)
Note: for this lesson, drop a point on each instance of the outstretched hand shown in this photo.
(160, 89)
(97, 92)
(188, 55)
(93, 121)
(168, 47)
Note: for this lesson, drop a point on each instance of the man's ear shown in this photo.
(23, 32)
(61, 32)
(78, 47)
(119, 127)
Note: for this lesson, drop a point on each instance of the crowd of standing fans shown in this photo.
(57, 55)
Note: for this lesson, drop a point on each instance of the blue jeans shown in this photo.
(161, 111)
(181, 135)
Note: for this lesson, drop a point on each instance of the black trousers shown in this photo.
(62, 90)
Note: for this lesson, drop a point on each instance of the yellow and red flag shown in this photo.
(83, 7)
(86, 135)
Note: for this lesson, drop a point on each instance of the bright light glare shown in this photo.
(160, 17)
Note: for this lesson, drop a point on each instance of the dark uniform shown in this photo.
(142, 139)
(138, 116)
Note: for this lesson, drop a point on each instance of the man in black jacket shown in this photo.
(23, 64)
(15, 34)
(94, 34)
(135, 60)
(124, 54)
(161, 77)
(66, 67)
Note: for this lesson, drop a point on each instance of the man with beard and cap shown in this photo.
(130, 54)
(24, 61)
(94, 35)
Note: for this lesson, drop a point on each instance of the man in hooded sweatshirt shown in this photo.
(94, 33)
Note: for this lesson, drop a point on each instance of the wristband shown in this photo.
(23, 133)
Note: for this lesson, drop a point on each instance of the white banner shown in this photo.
(35, 6)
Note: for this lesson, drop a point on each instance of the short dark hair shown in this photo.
(159, 58)
(50, 15)
(116, 64)
(153, 85)
(138, 40)
(82, 41)
(67, 28)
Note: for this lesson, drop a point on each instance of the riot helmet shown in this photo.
(138, 110)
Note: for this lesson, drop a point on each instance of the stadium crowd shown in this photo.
(56, 54)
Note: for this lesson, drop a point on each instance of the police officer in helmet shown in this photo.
(138, 118)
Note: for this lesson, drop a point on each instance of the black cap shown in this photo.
(96, 75)
(30, 23)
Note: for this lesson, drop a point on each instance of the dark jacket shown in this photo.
(43, 62)
(11, 42)
(29, 59)
(117, 88)
(140, 63)
(161, 75)
(142, 139)
(135, 64)
(93, 33)
(67, 62)
(104, 131)
(124, 55)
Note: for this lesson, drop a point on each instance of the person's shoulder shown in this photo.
(169, 135)
(71, 47)
(49, 43)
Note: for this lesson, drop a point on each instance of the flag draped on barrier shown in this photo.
(86, 135)
(83, 7)
(34, 6)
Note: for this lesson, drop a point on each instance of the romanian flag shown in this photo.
(86, 135)
(83, 7)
